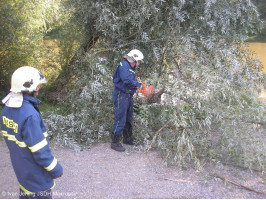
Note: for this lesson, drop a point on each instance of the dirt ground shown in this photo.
(104, 173)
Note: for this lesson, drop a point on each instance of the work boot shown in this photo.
(127, 137)
(116, 145)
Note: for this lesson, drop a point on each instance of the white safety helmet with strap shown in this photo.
(24, 79)
(136, 55)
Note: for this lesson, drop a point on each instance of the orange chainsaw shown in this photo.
(147, 91)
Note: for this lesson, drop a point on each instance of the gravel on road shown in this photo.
(104, 173)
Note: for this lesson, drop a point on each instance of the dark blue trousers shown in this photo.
(123, 111)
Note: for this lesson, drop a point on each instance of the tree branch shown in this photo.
(237, 184)
(157, 133)
(127, 44)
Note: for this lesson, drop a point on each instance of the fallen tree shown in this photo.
(194, 52)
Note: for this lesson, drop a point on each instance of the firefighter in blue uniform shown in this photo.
(125, 85)
(25, 135)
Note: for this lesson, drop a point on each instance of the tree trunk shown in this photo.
(68, 71)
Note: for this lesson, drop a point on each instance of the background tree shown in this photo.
(261, 5)
(24, 25)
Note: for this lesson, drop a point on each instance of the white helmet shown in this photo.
(136, 55)
(26, 79)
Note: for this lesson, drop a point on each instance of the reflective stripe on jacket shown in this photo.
(26, 137)
(125, 79)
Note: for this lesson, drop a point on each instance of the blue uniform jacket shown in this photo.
(125, 79)
(25, 135)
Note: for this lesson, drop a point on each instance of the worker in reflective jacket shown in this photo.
(125, 85)
(25, 135)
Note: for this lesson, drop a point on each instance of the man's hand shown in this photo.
(59, 176)
(140, 90)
